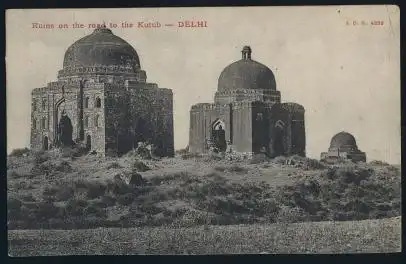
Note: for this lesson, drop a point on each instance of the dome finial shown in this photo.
(102, 28)
(246, 53)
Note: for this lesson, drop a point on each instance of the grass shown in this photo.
(368, 236)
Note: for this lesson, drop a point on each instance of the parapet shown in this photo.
(292, 107)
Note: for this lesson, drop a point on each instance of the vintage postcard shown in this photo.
(227, 130)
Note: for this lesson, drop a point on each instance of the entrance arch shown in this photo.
(278, 144)
(218, 135)
(65, 130)
(88, 143)
(45, 143)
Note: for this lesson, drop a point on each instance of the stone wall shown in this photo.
(116, 123)
(278, 119)
(290, 116)
(50, 96)
(297, 129)
(242, 126)
(202, 118)
(94, 117)
(251, 127)
(165, 126)
(260, 127)
(139, 113)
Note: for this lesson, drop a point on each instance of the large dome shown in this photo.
(101, 49)
(343, 140)
(246, 74)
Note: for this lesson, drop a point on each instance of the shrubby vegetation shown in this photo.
(331, 192)
(19, 152)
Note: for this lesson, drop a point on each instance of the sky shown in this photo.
(345, 73)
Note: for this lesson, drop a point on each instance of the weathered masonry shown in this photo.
(247, 114)
(102, 99)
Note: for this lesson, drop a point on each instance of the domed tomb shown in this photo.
(344, 145)
(101, 49)
(343, 141)
(253, 119)
(101, 83)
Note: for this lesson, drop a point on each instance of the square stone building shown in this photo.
(247, 114)
(343, 146)
(102, 100)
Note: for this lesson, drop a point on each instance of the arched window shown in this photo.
(34, 123)
(87, 102)
(86, 121)
(96, 121)
(259, 117)
(44, 104)
(98, 102)
(44, 123)
(34, 105)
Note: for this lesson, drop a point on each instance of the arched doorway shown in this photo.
(278, 145)
(65, 130)
(88, 143)
(45, 143)
(218, 135)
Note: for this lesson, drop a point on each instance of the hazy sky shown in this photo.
(346, 76)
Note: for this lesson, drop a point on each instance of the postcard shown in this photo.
(209, 130)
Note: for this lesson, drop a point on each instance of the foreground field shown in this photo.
(367, 236)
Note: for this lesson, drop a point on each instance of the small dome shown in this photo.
(246, 74)
(101, 48)
(343, 140)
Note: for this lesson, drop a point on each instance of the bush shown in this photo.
(143, 151)
(191, 218)
(279, 160)
(42, 211)
(233, 168)
(182, 151)
(114, 165)
(14, 174)
(178, 176)
(75, 151)
(95, 190)
(292, 215)
(305, 163)
(75, 207)
(259, 158)
(63, 166)
(125, 199)
(378, 163)
(19, 152)
(352, 174)
(43, 166)
(94, 210)
(107, 201)
(117, 188)
(58, 193)
(28, 198)
(139, 166)
(40, 157)
(14, 204)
